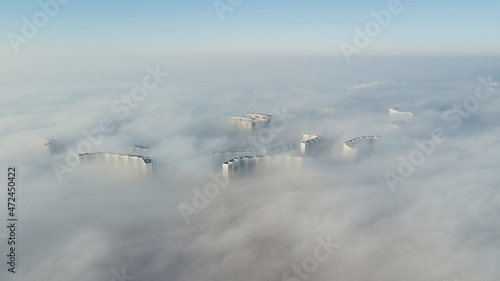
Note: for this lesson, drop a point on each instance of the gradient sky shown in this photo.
(441, 222)
(423, 28)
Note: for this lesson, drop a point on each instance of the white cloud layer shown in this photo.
(440, 223)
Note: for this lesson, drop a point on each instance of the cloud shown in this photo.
(440, 223)
(365, 85)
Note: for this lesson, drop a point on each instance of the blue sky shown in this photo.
(423, 28)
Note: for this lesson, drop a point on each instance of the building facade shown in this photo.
(309, 143)
(143, 165)
(260, 163)
(350, 148)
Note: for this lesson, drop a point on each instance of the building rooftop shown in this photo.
(350, 143)
(144, 158)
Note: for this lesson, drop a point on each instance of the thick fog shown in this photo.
(421, 204)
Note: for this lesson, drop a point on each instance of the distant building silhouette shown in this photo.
(141, 164)
(396, 111)
(250, 121)
(309, 143)
(261, 163)
(351, 146)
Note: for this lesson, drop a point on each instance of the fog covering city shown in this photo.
(438, 222)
